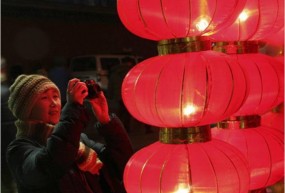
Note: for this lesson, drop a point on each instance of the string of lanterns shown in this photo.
(208, 70)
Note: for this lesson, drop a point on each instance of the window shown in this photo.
(108, 63)
(84, 64)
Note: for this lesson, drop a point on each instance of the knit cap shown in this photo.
(24, 93)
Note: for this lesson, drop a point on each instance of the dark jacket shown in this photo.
(51, 167)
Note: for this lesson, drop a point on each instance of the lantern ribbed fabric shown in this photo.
(276, 39)
(265, 83)
(263, 150)
(211, 167)
(182, 90)
(158, 20)
(258, 20)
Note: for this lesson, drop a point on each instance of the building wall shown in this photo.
(34, 36)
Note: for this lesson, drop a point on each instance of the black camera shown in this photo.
(93, 89)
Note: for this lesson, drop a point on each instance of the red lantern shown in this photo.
(258, 20)
(192, 88)
(186, 89)
(210, 166)
(168, 19)
(264, 77)
(265, 83)
(263, 150)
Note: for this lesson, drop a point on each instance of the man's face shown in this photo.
(47, 107)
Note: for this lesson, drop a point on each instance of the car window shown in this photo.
(83, 64)
(108, 63)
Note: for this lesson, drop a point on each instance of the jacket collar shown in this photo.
(33, 130)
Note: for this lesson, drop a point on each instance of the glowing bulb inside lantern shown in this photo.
(243, 16)
(183, 189)
(202, 24)
(189, 110)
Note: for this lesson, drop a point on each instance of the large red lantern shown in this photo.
(185, 89)
(258, 20)
(265, 79)
(275, 48)
(188, 86)
(187, 160)
(265, 83)
(168, 19)
(263, 148)
(264, 76)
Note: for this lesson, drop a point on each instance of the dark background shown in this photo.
(36, 33)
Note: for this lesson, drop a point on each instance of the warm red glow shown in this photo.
(199, 88)
(189, 110)
(276, 39)
(200, 167)
(157, 20)
(243, 16)
(265, 83)
(182, 90)
(258, 20)
(264, 150)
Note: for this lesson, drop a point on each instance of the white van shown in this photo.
(96, 67)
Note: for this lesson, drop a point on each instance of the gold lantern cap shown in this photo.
(240, 122)
(237, 47)
(185, 135)
(182, 45)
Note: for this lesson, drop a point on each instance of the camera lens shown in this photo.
(93, 88)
